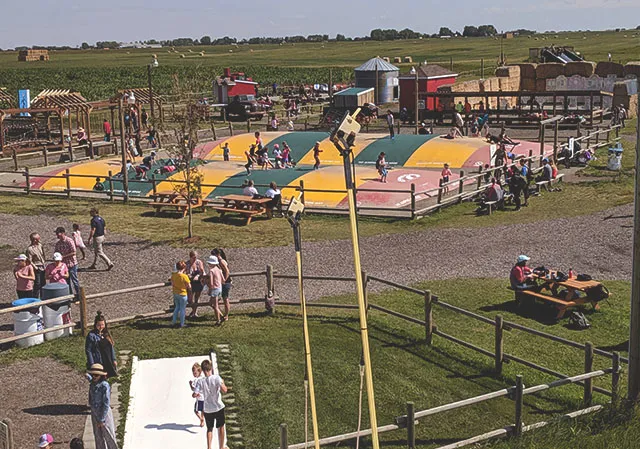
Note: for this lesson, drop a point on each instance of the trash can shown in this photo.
(615, 158)
(57, 313)
(27, 320)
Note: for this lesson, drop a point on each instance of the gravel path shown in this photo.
(43, 396)
(598, 244)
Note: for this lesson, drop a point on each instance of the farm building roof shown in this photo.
(430, 71)
(140, 93)
(378, 64)
(354, 91)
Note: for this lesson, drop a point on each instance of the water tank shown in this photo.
(382, 76)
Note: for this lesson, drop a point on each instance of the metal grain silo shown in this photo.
(380, 75)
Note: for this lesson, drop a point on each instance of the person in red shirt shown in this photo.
(521, 276)
(106, 127)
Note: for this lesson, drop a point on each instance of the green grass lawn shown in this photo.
(267, 361)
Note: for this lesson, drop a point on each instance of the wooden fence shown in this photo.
(431, 302)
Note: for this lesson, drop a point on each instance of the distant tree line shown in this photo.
(375, 35)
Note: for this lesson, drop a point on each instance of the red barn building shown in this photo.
(430, 77)
(231, 84)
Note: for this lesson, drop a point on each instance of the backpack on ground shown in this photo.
(578, 321)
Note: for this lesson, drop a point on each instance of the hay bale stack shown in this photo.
(549, 70)
(527, 70)
(622, 96)
(632, 68)
(408, 59)
(386, 58)
(605, 68)
(512, 71)
(541, 85)
(582, 68)
(528, 84)
(509, 84)
(397, 59)
(467, 86)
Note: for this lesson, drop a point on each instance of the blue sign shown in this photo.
(24, 100)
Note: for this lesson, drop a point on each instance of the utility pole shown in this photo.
(634, 337)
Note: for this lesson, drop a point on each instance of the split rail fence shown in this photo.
(428, 323)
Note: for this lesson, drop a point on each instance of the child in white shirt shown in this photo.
(198, 408)
(77, 239)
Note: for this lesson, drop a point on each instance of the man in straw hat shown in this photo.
(104, 429)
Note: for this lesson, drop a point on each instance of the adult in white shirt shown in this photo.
(250, 190)
(211, 387)
(274, 123)
(274, 193)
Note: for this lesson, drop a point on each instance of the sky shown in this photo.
(71, 22)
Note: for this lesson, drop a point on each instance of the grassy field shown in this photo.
(267, 364)
(97, 73)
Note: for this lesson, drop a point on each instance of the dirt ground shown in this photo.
(43, 396)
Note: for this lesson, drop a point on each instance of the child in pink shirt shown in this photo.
(76, 235)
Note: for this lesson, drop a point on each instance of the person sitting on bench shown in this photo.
(521, 277)
(250, 190)
(493, 194)
(547, 175)
(98, 186)
(274, 193)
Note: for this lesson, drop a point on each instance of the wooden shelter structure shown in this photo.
(142, 95)
(6, 99)
(69, 102)
(28, 124)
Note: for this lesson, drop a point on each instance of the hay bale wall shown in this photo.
(528, 84)
(582, 68)
(512, 71)
(605, 68)
(632, 68)
(549, 70)
(527, 70)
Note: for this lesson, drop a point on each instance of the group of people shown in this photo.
(258, 153)
(189, 280)
(33, 270)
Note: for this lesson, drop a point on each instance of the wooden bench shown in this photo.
(249, 214)
(181, 207)
(559, 303)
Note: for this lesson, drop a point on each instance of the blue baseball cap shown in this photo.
(523, 258)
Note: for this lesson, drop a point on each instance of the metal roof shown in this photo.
(141, 94)
(354, 91)
(378, 64)
(430, 71)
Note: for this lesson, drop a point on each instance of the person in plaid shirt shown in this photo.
(67, 248)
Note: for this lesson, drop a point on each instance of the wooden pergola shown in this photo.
(69, 102)
(6, 99)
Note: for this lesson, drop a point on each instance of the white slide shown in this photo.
(160, 411)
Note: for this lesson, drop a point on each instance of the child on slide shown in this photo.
(198, 408)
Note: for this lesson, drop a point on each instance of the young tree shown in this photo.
(186, 135)
(205, 40)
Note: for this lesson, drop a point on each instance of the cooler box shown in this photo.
(614, 162)
(28, 320)
(57, 313)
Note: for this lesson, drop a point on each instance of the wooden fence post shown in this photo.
(411, 425)
(91, 154)
(302, 191)
(428, 317)
(499, 358)
(597, 136)
(517, 429)
(15, 159)
(479, 178)
(284, 444)
(230, 128)
(213, 130)
(588, 367)
(398, 124)
(110, 185)
(578, 130)
(84, 325)
(269, 275)
(555, 140)
(413, 201)
(460, 186)
(617, 131)
(440, 192)
(306, 123)
(615, 378)
(70, 149)
(68, 179)
(45, 156)
(27, 179)
(249, 125)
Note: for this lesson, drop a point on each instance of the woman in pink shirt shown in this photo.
(215, 279)
(25, 276)
(57, 271)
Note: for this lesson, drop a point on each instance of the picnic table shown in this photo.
(243, 205)
(174, 200)
(571, 297)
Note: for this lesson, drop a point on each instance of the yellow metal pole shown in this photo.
(307, 352)
(364, 332)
